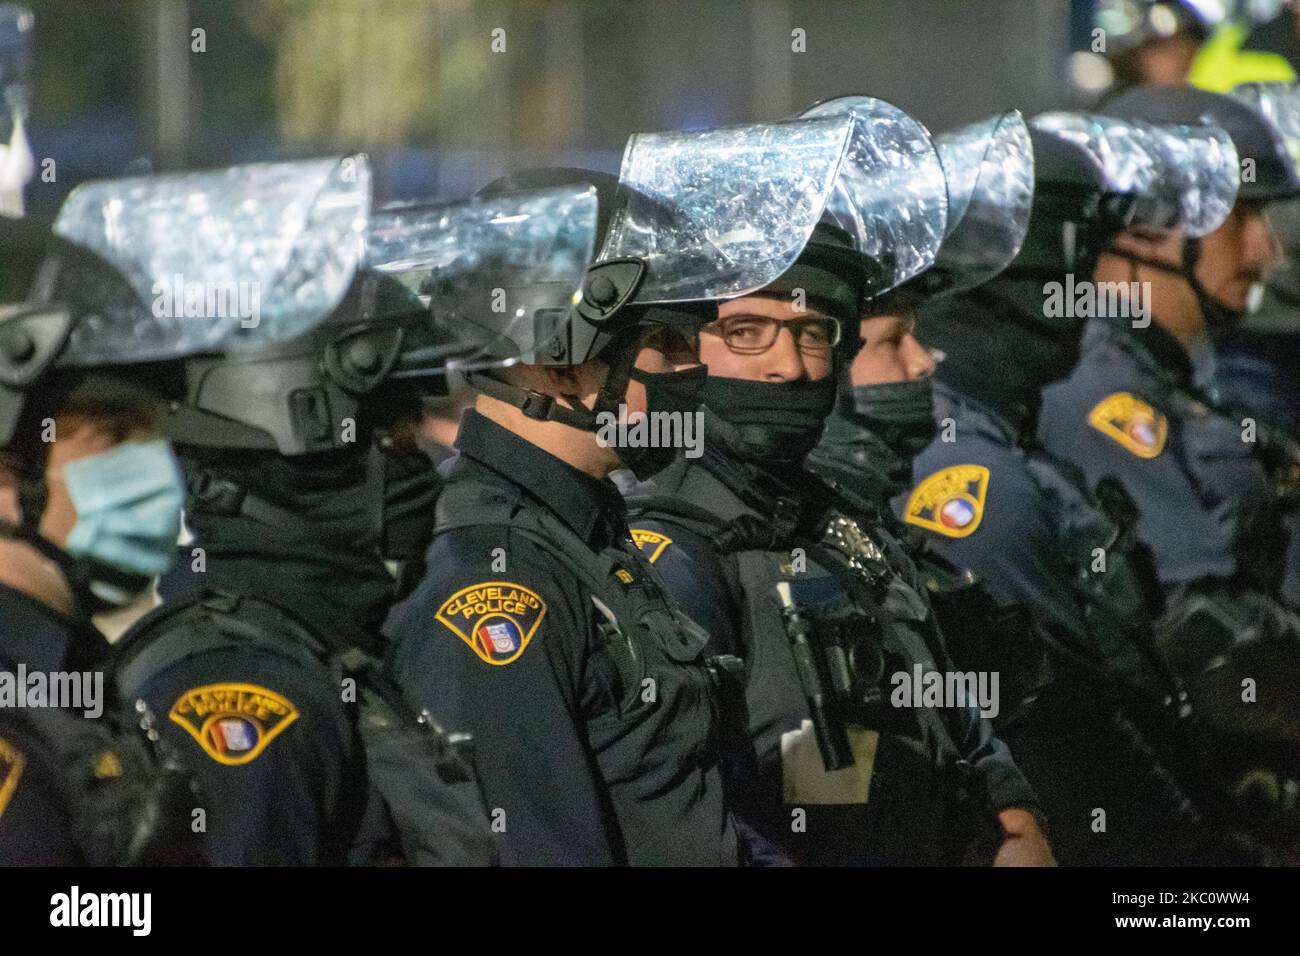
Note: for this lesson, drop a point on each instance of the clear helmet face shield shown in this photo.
(1176, 177)
(228, 260)
(696, 217)
(891, 195)
(500, 273)
(989, 167)
(1279, 103)
(721, 213)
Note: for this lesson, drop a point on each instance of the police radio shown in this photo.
(839, 662)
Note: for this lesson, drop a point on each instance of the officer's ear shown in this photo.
(582, 381)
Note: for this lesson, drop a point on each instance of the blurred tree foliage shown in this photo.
(371, 72)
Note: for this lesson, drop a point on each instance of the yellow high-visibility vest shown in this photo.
(1221, 63)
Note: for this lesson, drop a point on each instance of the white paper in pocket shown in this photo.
(806, 780)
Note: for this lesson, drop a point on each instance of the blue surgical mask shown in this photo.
(128, 502)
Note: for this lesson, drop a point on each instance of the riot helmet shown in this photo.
(693, 218)
(1262, 121)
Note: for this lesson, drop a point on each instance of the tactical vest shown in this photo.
(673, 703)
(918, 810)
(980, 634)
(424, 776)
(125, 794)
(983, 635)
(121, 790)
(1112, 572)
(1224, 470)
(1214, 452)
(1178, 669)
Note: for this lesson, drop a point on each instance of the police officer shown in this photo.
(884, 414)
(90, 500)
(1150, 41)
(1132, 408)
(733, 527)
(592, 699)
(992, 502)
(263, 656)
(1133, 412)
(1247, 49)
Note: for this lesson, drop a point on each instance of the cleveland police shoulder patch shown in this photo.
(1131, 422)
(496, 619)
(233, 723)
(11, 771)
(950, 502)
(651, 543)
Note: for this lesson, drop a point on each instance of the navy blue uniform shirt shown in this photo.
(1201, 491)
(595, 726)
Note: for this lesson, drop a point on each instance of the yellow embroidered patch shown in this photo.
(11, 771)
(107, 766)
(624, 575)
(950, 502)
(496, 619)
(233, 723)
(1131, 422)
(650, 542)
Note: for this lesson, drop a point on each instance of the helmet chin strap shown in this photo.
(95, 586)
(545, 408)
(1220, 318)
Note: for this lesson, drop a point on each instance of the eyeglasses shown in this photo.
(754, 334)
(677, 343)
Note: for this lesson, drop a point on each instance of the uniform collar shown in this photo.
(856, 458)
(950, 403)
(591, 507)
(784, 494)
(1153, 348)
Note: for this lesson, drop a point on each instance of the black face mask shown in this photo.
(411, 487)
(665, 392)
(779, 422)
(900, 414)
(977, 329)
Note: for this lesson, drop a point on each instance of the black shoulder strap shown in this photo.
(209, 620)
(745, 532)
(678, 511)
(466, 504)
